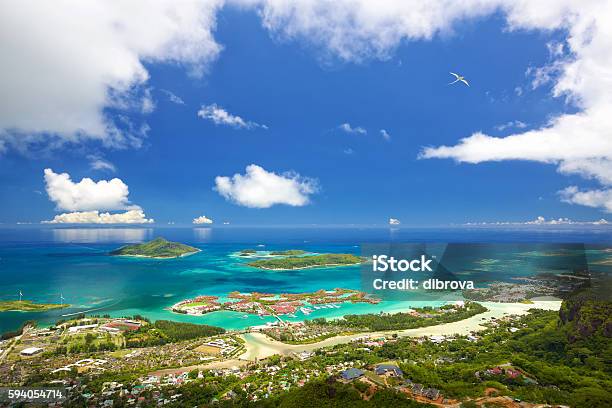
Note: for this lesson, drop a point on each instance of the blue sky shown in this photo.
(302, 93)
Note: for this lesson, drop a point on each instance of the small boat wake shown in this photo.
(90, 310)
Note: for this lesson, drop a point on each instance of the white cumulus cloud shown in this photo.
(346, 127)
(202, 220)
(590, 198)
(385, 135)
(580, 67)
(578, 143)
(356, 30)
(220, 116)
(65, 63)
(95, 217)
(87, 194)
(85, 59)
(394, 221)
(259, 188)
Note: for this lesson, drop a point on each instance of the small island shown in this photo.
(303, 262)
(28, 306)
(159, 248)
(254, 253)
(269, 304)
(290, 252)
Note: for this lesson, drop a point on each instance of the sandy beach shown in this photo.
(260, 346)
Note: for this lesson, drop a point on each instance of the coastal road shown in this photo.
(15, 339)
(259, 346)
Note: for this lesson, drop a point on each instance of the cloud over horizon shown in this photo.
(202, 220)
(258, 188)
(87, 194)
(541, 221)
(95, 217)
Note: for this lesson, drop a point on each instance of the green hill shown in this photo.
(302, 262)
(158, 248)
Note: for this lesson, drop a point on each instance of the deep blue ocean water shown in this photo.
(74, 262)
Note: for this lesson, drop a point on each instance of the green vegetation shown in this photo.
(320, 329)
(422, 317)
(158, 248)
(166, 331)
(556, 360)
(302, 262)
(541, 358)
(331, 393)
(556, 366)
(319, 393)
(86, 343)
(288, 337)
(28, 306)
(586, 320)
(576, 373)
(290, 252)
(177, 331)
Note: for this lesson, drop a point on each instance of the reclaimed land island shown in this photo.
(267, 304)
(290, 252)
(159, 248)
(304, 262)
(28, 306)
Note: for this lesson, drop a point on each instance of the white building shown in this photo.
(76, 329)
(30, 351)
(437, 339)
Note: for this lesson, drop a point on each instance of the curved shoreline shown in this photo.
(260, 346)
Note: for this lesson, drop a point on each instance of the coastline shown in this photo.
(36, 308)
(260, 346)
(34, 311)
(160, 257)
(305, 267)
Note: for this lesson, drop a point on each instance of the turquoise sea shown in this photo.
(44, 263)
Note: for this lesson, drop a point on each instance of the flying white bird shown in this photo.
(459, 78)
(62, 298)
